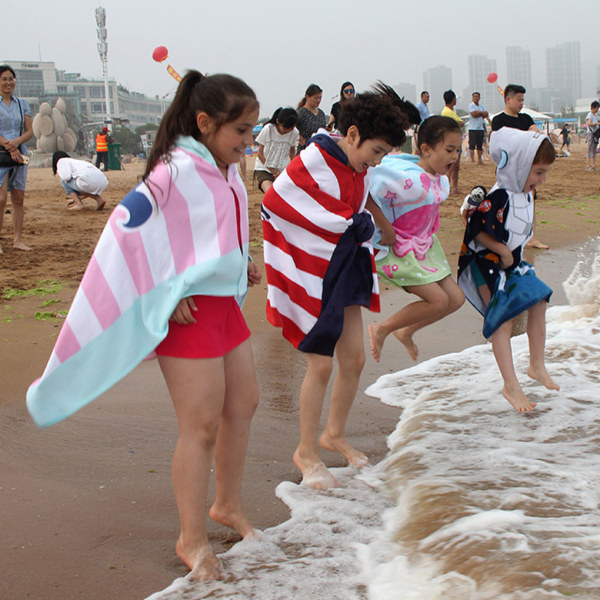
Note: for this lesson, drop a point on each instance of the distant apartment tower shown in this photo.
(479, 69)
(563, 73)
(436, 81)
(408, 91)
(518, 66)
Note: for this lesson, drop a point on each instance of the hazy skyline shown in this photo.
(280, 47)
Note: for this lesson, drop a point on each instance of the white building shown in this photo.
(39, 82)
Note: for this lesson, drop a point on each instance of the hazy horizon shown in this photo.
(280, 48)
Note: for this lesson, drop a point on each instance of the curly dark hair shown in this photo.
(379, 114)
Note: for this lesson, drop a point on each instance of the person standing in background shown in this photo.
(15, 131)
(448, 111)
(592, 120)
(422, 106)
(310, 117)
(103, 139)
(476, 132)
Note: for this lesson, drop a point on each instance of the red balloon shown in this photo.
(492, 77)
(160, 53)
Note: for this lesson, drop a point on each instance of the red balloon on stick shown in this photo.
(492, 77)
(160, 53)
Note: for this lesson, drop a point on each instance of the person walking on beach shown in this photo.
(15, 130)
(593, 123)
(448, 111)
(103, 139)
(491, 270)
(320, 267)
(167, 276)
(405, 197)
(514, 100)
(565, 132)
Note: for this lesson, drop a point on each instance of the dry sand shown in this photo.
(87, 505)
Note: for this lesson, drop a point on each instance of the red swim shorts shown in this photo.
(219, 328)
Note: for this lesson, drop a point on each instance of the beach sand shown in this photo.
(87, 505)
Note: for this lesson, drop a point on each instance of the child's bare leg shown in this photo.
(351, 360)
(536, 333)
(197, 388)
(433, 305)
(456, 299)
(503, 353)
(241, 399)
(312, 393)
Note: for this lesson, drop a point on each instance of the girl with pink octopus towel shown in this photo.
(405, 194)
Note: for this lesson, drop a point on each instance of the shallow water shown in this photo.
(473, 502)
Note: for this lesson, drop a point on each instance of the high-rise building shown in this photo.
(479, 69)
(563, 73)
(436, 81)
(408, 91)
(518, 66)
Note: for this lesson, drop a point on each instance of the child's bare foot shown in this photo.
(518, 399)
(354, 457)
(541, 375)
(376, 338)
(21, 246)
(101, 203)
(315, 474)
(408, 342)
(202, 562)
(535, 243)
(233, 519)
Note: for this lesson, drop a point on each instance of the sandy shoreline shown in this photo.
(88, 508)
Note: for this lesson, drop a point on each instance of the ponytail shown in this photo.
(223, 98)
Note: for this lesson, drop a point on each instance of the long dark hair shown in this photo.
(287, 117)
(342, 97)
(312, 90)
(56, 157)
(224, 98)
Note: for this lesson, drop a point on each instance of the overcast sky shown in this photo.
(279, 47)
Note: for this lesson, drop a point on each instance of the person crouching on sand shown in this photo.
(492, 273)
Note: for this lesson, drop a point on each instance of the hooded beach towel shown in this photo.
(317, 255)
(506, 214)
(183, 233)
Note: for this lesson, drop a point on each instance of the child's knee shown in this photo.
(320, 367)
(352, 362)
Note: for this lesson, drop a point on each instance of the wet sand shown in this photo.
(87, 505)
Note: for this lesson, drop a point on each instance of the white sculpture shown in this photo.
(51, 129)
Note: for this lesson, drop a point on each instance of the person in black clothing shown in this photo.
(514, 99)
(347, 92)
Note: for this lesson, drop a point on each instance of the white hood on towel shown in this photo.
(513, 152)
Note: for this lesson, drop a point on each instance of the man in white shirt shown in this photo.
(476, 132)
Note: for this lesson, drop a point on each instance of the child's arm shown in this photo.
(388, 233)
(499, 248)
